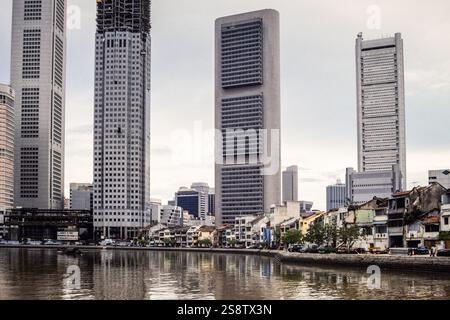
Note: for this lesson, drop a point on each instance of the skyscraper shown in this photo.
(38, 53)
(290, 184)
(7, 96)
(381, 104)
(336, 196)
(122, 118)
(247, 114)
(193, 200)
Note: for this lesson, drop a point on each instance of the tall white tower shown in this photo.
(7, 97)
(38, 54)
(381, 104)
(122, 118)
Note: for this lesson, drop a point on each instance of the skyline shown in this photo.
(315, 171)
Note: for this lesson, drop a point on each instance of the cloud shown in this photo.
(318, 84)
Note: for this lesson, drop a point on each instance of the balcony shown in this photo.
(395, 231)
(380, 218)
(431, 235)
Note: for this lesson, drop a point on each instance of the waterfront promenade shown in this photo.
(358, 261)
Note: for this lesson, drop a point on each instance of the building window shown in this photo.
(32, 10)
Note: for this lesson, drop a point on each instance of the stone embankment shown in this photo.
(404, 263)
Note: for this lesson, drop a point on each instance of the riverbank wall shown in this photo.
(356, 261)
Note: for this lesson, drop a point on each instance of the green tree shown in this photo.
(205, 243)
(316, 234)
(169, 242)
(349, 235)
(232, 243)
(293, 236)
(277, 236)
(331, 234)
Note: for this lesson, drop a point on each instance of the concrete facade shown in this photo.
(362, 187)
(336, 196)
(290, 184)
(381, 104)
(38, 56)
(247, 105)
(7, 96)
(440, 176)
(122, 118)
(81, 196)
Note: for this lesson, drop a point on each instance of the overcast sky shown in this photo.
(318, 86)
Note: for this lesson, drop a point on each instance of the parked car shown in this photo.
(443, 253)
(50, 242)
(294, 248)
(326, 250)
(108, 242)
(310, 248)
(421, 251)
(3, 242)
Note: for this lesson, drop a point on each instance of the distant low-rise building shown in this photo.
(306, 206)
(53, 224)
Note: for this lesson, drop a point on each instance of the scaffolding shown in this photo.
(124, 15)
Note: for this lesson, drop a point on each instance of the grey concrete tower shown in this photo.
(122, 118)
(38, 54)
(247, 105)
(290, 184)
(381, 104)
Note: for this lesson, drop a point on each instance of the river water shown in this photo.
(107, 274)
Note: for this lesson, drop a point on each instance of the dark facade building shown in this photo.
(211, 203)
(38, 224)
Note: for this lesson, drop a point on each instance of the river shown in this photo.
(107, 274)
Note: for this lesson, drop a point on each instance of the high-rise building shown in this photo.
(247, 113)
(122, 118)
(290, 184)
(364, 186)
(381, 104)
(195, 201)
(172, 215)
(336, 196)
(440, 176)
(81, 196)
(7, 97)
(155, 211)
(38, 54)
(212, 202)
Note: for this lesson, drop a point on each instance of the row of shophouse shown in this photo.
(419, 217)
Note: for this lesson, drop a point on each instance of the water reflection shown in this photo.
(40, 274)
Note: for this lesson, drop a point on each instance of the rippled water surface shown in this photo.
(40, 274)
